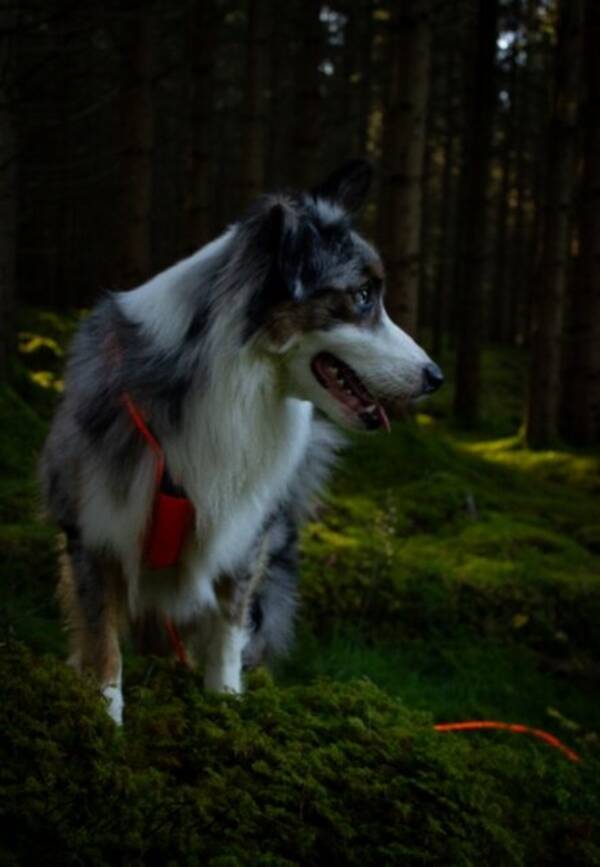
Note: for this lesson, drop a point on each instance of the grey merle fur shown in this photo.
(284, 251)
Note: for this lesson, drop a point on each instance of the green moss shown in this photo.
(22, 435)
(451, 538)
(589, 537)
(28, 572)
(455, 678)
(18, 499)
(29, 554)
(574, 469)
(329, 773)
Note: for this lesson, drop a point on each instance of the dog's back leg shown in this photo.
(92, 597)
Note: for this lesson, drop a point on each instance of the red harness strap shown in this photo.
(141, 425)
(176, 642)
(171, 520)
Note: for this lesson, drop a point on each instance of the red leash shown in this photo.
(518, 728)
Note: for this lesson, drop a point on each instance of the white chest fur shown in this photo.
(236, 460)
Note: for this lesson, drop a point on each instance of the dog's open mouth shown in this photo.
(344, 384)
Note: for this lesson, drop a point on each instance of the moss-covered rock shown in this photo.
(324, 774)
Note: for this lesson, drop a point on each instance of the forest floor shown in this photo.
(448, 577)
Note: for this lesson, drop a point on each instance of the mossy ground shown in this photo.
(447, 577)
(326, 773)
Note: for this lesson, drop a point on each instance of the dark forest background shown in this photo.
(131, 133)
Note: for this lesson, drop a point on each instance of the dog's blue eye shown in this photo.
(363, 297)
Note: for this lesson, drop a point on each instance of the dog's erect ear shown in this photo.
(348, 186)
(278, 225)
(281, 236)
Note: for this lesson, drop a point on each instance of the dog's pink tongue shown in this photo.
(383, 418)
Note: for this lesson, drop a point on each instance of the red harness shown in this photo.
(172, 514)
(171, 520)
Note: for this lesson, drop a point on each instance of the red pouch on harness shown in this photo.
(172, 514)
(171, 521)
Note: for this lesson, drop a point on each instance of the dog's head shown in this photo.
(319, 310)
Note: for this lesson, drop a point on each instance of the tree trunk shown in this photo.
(8, 189)
(201, 25)
(443, 289)
(281, 86)
(580, 411)
(500, 313)
(355, 78)
(533, 98)
(134, 242)
(547, 302)
(307, 131)
(254, 139)
(479, 106)
(521, 265)
(403, 157)
(365, 8)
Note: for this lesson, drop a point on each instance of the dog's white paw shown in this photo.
(114, 697)
(223, 671)
(220, 681)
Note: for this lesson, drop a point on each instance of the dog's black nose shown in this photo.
(432, 378)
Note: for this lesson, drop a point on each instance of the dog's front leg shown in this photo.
(223, 668)
(231, 631)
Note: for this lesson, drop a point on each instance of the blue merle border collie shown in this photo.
(240, 357)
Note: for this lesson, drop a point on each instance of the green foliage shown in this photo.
(446, 577)
(27, 548)
(44, 336)
(327, 773)
(22, 435)
(28, 571)
(451, 538)
(454, 678)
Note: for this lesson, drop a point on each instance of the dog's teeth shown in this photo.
(371, 408)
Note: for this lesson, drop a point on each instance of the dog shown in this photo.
(238, 366)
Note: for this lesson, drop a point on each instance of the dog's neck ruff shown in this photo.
(172, 514)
